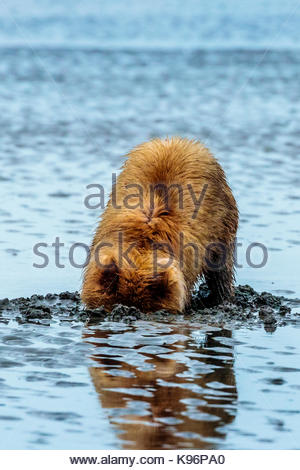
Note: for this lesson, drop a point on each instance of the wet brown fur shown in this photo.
(161, 220)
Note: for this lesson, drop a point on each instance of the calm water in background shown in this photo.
(73, 102)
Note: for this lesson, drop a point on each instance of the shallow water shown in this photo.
(149, 386)
(73, 102)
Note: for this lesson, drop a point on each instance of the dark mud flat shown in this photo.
(248, 308)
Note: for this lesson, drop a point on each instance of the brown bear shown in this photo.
(171, 219)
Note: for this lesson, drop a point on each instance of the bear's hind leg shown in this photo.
(219, 276)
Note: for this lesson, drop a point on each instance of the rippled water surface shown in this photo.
(69, 116)
(149, 386)
(81, 90)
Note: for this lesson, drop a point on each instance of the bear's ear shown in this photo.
(109, 276)
(159, 285)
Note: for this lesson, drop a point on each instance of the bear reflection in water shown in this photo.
(164, 386)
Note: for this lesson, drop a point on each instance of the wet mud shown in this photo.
(247, 308)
